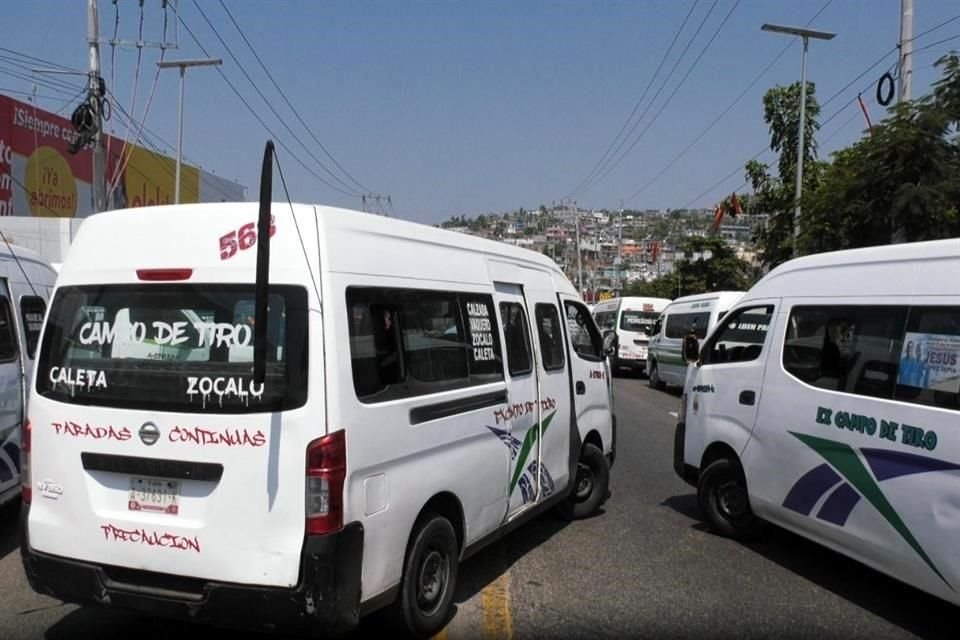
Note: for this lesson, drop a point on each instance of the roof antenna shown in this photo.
(263, 268)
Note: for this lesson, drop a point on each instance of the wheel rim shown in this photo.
(584, 482)
(432, 580)
(731, 499)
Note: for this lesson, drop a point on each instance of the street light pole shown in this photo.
(182, 65)
(806, 34)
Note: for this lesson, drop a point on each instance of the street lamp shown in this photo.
(806, 34)
(182, 65)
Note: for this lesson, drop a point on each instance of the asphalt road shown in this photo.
(644, 567)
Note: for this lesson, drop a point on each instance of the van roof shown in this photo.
(913, 267)
(174, 226)
(712, 295)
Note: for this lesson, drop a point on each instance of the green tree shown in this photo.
(899, 183)
(774, 195)
(709, 264)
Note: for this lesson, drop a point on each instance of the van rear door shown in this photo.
(152, 447)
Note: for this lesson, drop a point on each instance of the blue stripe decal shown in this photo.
(5, 474)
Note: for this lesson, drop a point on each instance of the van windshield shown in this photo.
(181, 348)
(638, 320)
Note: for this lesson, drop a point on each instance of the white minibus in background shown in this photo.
(26, 280)
(287, 423)
(632, 318)
(827, 402)
(697, 314)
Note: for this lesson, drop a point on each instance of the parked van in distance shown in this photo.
(632, 318)
(423, 393)
(26, 280)
(827, 402)
(697, 314)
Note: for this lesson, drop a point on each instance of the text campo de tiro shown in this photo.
(164, 341)
(906, 434)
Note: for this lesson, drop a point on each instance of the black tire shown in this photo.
(654, 378)
(422, 608)
(724, 502)
(590, 485)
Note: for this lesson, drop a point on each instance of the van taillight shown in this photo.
(25, 491)
(164, 275)
(326, 472)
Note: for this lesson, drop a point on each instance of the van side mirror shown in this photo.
(649, 330)
(611, 342)
(691, 348)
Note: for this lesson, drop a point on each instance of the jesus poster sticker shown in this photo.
(930, 361)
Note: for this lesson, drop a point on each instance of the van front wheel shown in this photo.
(723, 500)
(590, 485)
(429, 578)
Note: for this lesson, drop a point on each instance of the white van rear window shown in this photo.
(638, 320)
(184, 348)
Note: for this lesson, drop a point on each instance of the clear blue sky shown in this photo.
(471, 107)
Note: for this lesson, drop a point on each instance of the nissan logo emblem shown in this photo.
(149, 433)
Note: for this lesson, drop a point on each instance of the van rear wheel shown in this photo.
(429, 578)
(724, 502)
(654, 378)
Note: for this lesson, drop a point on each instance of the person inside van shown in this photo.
(838, 354)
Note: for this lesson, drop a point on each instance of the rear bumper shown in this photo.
(326, 599)
(633, 364)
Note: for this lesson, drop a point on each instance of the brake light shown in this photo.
(326, 472)
(25, 489)
(164, 275)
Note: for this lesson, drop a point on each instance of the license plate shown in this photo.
(155, 495)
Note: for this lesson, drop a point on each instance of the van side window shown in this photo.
(32, 310)
(930, 358)
(741, 336)
(515, 332)
(8, 340)
(551, 336)
(412, 342)
(679, 325)
(854, 349)
(584, 335)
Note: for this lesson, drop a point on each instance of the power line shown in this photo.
(351, 192)
(636, 107)
(284, 96)
(589, 183)
(938, 42)
(673, 93)
(257, 116)
(35, 59)
(727, 110)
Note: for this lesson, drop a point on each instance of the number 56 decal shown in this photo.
(242, 238)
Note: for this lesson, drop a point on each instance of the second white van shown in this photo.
(632, 318)
(697, 314)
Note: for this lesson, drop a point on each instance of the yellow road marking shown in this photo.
(497, 623)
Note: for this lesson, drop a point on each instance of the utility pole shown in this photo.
(576, 218)
(906, 50)
(182, 65)
(899, 234)
(620, 250)
(806, 34)
(99, 158)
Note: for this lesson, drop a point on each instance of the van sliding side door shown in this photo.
(11, 409)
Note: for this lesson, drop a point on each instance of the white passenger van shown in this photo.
(633, 319)
(26, 280)
(422, 392)
(827, 402)
(697, 314)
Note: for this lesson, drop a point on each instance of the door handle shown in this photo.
(747, 397)
(581, 388)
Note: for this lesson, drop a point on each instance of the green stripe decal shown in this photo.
(528, 441)
(845, 460)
